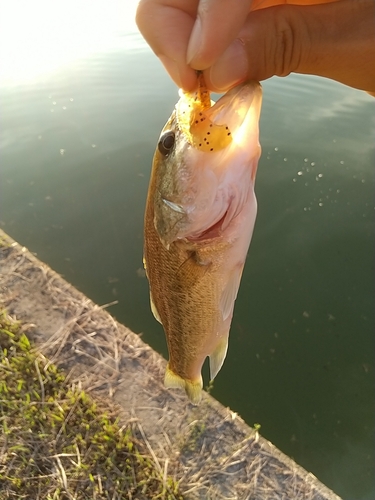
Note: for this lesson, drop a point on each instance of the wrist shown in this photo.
(334, 46)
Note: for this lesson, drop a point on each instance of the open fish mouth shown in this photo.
(210, 126)
(213, 232)
(210, 137)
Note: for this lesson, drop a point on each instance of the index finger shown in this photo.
(166, 25)
(218, 24)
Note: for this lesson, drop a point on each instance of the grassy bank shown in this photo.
(57, 443)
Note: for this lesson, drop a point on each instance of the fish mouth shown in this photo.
(229, 127)
(210, 126)
(213, 232)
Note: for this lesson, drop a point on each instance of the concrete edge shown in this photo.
(209, 448)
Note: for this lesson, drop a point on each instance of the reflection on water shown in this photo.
(51, 35)
(80, 121)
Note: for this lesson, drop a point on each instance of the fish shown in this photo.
(199, 219)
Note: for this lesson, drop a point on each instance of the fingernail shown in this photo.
(172, 68)
(195, 41)
(230, 68)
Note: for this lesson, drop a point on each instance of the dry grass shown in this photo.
(208, 448)
(57, 443)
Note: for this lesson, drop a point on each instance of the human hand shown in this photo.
(232, 41)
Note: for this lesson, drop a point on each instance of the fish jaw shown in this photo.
(199, 220)
(197, 188)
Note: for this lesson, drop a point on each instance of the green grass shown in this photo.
(57, 443)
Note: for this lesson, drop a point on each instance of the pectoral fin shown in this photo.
(191, 270)
(230, 293)
(192, 388)
(217, 357)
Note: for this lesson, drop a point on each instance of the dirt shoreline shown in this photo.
(208, 448)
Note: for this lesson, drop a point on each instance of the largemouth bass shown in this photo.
(199, 219)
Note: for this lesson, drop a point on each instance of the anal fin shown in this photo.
(218, 356)
(154, 310)
(230, 292)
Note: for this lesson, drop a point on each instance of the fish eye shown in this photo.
(166, 143)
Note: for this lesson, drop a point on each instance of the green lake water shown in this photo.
(82, 103)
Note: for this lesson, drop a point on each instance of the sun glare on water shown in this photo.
(41, 36)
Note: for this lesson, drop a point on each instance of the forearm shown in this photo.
(342, 43)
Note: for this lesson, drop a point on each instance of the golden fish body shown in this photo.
(199, 220)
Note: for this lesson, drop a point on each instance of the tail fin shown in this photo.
(192, 388)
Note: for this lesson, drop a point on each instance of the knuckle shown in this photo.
(287, 49)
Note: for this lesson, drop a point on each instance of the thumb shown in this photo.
(269, 43)
(323, 40)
